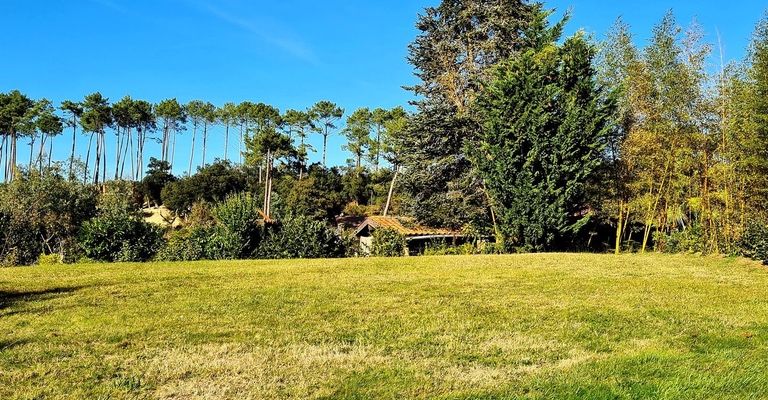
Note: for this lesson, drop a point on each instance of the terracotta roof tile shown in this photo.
(378, 222)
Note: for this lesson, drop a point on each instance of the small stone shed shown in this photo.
(417, 237)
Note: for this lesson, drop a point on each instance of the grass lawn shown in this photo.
(496, 327)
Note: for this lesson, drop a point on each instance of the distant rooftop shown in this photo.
(403, 226)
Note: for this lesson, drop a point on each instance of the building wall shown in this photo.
(366, 245)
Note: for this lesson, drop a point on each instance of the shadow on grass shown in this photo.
(10, 344)
(10, 299)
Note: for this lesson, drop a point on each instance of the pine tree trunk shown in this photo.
(166, 143)
(97, 165)
(125, 153)
(325, 146)
(12, 156)
(173, 148)
(33, 140)
(88, 158)
(241, 144)
(3, 148)
(226, 142)
(267, 186)
(301, 163)
(133, 161)
(139, 154)
(205, 140)
(104, 157)
(72, 154)
(50, 151)
(269, 194)
(378, 149)
(140, 163)
(118, 151)
(41, 153)
(192, 152)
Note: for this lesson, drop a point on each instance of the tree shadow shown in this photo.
(6, 345)
(10, 299)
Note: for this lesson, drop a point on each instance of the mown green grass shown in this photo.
(529, 326)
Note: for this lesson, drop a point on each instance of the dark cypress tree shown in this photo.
(545, 122)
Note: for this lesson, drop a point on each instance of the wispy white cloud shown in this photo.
(270, 35)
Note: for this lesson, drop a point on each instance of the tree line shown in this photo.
(556, 144)
(135, 122)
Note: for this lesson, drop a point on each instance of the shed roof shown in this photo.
(396, 224)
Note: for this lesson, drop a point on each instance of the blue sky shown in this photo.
(288, 53)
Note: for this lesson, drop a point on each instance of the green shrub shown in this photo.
(211, 183)
(50, 259)
(119, 197)
(19, 245)
(351, 244)
(689, 240)
(224, 245)
(301, 237)
(200, 243)
(754, 242)
(445, 249)
(240, 216)
(185, 245)
(388, 243)
(158, 177)
(120, 237)
(42, 213)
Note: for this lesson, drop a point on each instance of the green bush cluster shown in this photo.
(121, 237)
(754, 241)
(239, 216)
(50, 259)
(301, 237)
(388, 243)
(200, 243)
(690, 240)
(239, 232)
(211, 183)
(41, 213)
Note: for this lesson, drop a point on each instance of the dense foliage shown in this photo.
(201, 243)
(241, 218)
(120, 237)
(754, 241)
(211, 183)
(42, 214)
(688, 150)
(158, 177)
(544, 127)
(388, 243)
(301, 237)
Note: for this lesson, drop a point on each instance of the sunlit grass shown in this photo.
(529, 326)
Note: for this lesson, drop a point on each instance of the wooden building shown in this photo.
(417, 237)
